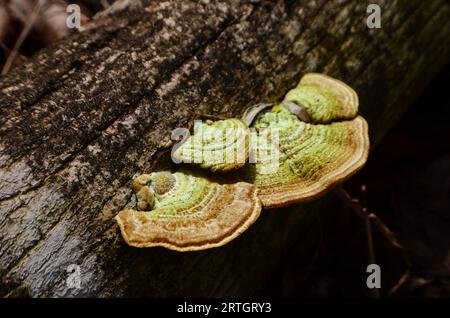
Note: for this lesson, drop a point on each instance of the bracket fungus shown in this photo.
(325, 99)
(286, 153)
(188, 212)
(219, 146)
(311, 157)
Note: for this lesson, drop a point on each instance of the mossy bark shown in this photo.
(85, 115)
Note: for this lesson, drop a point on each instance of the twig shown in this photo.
(369, 236)
(353, 204)
(361, 211)
(105, 4)
(8, 50)
(403, 279)
(117, 6)
(26, 29)
(4, 47)
(386, 231)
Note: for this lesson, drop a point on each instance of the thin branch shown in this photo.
(386, 231)
(361, 211)
(405, 277)
(369, 237)
(4, 47)
(26, 29)
(352, 203)
(105, 4)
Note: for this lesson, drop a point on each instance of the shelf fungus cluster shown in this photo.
(321, 141)
(283, 154)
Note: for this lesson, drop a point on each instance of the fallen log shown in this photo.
(88, 113)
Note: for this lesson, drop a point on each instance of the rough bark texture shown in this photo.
(85, 115)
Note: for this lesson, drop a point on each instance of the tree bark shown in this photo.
(85, 115)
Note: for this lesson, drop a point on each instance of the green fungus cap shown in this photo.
(300, 161)
(219, 146)
(326, 99)
(189, 212)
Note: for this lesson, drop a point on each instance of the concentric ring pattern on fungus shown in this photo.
(311, 157)
(219, 146)
(326, 99)
(189, 212)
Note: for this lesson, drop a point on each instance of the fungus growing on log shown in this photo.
(311, 157)
(218, 146)
(325, 98)
(318, 141)
(189, 213)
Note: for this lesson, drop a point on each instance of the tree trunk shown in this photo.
(85, 115)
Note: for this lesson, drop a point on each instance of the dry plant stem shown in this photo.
(405, 277)
(298, 109)
(352, 203)
(390, 236)
(385, 231)
(375, 291)
(104, 4)
(31, 19)
(8, 51)
(360, 210)
(4, 47)
(251, 112)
